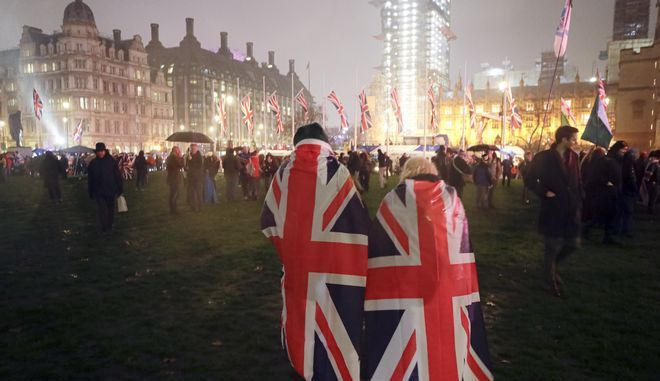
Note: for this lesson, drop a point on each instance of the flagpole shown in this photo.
(324, 98)
(355, 118)
(293, 109)
(238, 111)
(426, 82)
(464, 108)
(263, 112)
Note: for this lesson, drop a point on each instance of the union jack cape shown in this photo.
(423, 315)
(222, 115)
(334, 99)
(38, 104)
(300, 99)
(248, 113)
(78, 133)
(319, 225)
(365, 119)
(394, 95)
(431, 95)
(275, 108)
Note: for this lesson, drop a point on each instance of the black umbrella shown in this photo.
(78, 150)
(483, 148)
(189, 137)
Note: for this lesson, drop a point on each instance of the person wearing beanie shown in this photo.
(105, 184)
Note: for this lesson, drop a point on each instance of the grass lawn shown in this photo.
(196, 297)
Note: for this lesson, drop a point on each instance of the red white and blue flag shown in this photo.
(340, 108)
(300, 99)
(516, 119)
(561, 35)
(315, 218)
(78, 133)
(275, 108)
(38, 104)
(601, 91)
(365, 119)
(423, 316)
(431, 95)
(222, 115)
(394, 97)
(248, 113)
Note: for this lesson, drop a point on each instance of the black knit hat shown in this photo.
(310, 131)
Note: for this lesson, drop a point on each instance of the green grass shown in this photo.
(196, 297)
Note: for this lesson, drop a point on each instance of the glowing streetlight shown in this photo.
(593, 79)
(66, 105)
(502, 86)
(230, 100)
(65, 119)
(182, 127)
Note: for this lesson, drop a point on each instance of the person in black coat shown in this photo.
(140, 167)
(195, 169)
(50, 171)
(554, 176)
(105, 184)
(174, 164)
(458, 171)
(231, 168)
(609, 183)
(630, 191)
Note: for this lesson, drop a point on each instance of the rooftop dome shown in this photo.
(78, 13)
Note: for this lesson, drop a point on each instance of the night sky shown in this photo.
(337, 36)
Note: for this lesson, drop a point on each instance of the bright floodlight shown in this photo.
(66, 105)
(502, 86)
(593, 79)
(182, 127)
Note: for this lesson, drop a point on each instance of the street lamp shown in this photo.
(66, 105)
(182, 127)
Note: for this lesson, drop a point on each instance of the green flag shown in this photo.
(598, 129)
(564, 120)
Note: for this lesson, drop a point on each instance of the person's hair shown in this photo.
(564, 132)
(417, 166)
(310, 131)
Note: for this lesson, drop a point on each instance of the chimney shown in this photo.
(154, 32)
(223, 41)
(190, 27)
(271, 58)
(292, 66)
(116, 34)
(249, 48)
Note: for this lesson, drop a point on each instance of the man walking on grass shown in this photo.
(554, 176)
(104, 184)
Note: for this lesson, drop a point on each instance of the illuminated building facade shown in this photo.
(415, 55)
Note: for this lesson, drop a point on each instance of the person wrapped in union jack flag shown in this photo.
(423, 317)
(315, 218)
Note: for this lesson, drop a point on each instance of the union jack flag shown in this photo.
(78, 133)
(473, 114)
(38, 104)
(340, 108)
(275, 108)
(248, 113)
(365, 120)
(423, 316)
(601, 91)
(300, 99)
(431, 95)
(319, 225)
(394, 95)
(222, 115)
(516, 119)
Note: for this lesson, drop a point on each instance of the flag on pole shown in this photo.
(483, 122)
(340, 108)
(601, 91)
(300, 99)
(275, 108)
(248, 113)
(38, 104)
(473, 114)
(598, 129)
(431, 95)
(78, 132)
(222, 115)
(516, 119)
(561, 35)
(566, 114)
(365, 120)
(394, 95)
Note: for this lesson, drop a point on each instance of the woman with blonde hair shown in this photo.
(422, 279)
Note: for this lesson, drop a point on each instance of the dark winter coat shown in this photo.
(560, 215)
(195, 168)
(104, 178)
(174, 165)
(50, 170)
(140, 165)
(230, 165)
(459, 169)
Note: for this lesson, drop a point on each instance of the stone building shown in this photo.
(105, 83)
(201, 78)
